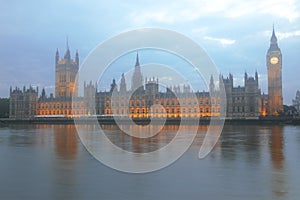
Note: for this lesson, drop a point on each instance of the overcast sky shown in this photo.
(235, 35)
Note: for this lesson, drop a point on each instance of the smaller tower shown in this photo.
(137, 77)
(43, 95)
(245, 77)
(256, 77)
(89, 98)
(123, 87)
(56, 57)
(67, 54)
(137, 62)
(77, 58)
(211, 85)
(231, 78)
(113, 86)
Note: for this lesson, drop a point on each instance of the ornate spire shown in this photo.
(56, 56)
(137, 77)
(211, 79)
(273, 41)
(137, 63)
(77, 58)
(67, 54)
(211, 84)
(43, 96)
(123, 84)
(113, 86)
(246, 76)
(273, 38)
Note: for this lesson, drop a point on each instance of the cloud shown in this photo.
(288, 34)
(192, 10)
(222, 41)
(286, 9)
(283, 35)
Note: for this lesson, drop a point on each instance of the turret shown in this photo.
(245, 77)
(56, 56)
(77, 58)
(113, 86)
(256, 77)
(43, 95)
(123, 84)
(67, 54)
(230, 77)
(211, 85)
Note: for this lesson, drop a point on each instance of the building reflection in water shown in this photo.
(146, 145)
(65, 141)
(241, 142)
(137, 144)
(66, 150)
(276, 145)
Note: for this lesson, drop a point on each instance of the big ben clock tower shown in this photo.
(274, 65)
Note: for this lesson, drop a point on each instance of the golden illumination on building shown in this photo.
(274, 66)
(147, 101)
(66, 70)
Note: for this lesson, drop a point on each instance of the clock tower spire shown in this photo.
(274, 66)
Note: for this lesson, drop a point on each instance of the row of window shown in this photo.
(143, 111)
(165, 102)
(61, 112)
(162, 103)
(242, 109)
(63, 78)
(60, 106)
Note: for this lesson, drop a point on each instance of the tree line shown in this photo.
(4, 107)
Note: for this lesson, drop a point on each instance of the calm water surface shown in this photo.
(248, 162)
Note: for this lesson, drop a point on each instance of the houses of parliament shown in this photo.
(243, 102)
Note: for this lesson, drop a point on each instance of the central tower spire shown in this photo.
(137, 77)
(137, 62)
(67, 54)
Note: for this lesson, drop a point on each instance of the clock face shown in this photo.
(274, 60)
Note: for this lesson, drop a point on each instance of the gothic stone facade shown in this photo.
(66, 88)
(242, 101)
(22, 104)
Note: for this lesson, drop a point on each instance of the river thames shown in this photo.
(248, 162)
